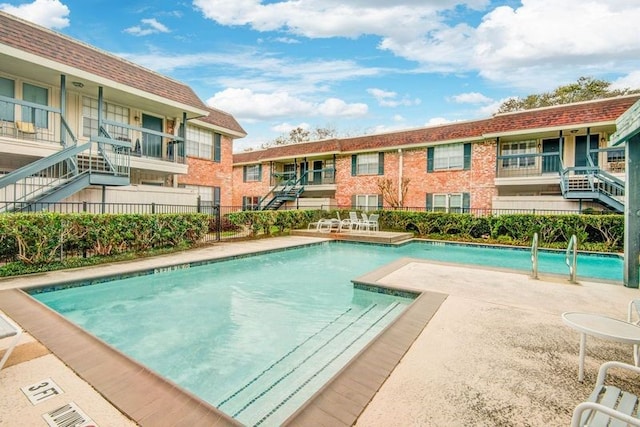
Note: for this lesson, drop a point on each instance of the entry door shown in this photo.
(551, 163)
(581, 150)
(317, 172)
(152, 144)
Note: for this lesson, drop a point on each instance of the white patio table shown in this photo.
(603, 327)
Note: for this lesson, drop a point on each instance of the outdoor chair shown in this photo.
(372, 222)
(354, 221)
(9, 329)
(608, 405)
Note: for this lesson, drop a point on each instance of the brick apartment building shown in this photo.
(554, 159)
(78, 124)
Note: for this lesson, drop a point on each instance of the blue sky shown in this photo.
(358, 66)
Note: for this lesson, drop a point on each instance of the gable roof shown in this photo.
(223, 120)
(602, 111)
(44, 43)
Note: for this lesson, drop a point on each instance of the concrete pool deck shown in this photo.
(494, 353)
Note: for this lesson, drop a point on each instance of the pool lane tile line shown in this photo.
(306, 359)
(387, 311)
(293, 350)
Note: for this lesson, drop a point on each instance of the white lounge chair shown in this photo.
(608, 403)
(354, 221)
(372, 222)
(9, 329)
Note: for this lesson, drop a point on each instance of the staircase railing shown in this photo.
(534, 256)
(282, 189)
(571, 258)
(592, 179)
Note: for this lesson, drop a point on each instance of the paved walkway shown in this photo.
(496, 353)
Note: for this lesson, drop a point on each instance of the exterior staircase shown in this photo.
(592, 183)
(102, 161)
(282, 193)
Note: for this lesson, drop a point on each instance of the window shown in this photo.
(367, 164)
(367, 202)
(7, 88)
(112, 112)
(199, 142)
(252, 173)
(449, 156)
(449, 202)
(250, 203)
(37, 95)
(205, 193)
(520, 147)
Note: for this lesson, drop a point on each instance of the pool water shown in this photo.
(257, 336)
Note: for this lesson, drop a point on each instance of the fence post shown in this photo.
(216, 212)
(153, 207)
(199, 205)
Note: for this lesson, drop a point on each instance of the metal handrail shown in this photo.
(571, 258)
(534, 256)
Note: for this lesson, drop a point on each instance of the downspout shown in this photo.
(400, 167)
(497, 154)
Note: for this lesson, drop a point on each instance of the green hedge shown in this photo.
(45, 237)
(594, 232)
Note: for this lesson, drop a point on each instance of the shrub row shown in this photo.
(45, 237)
(594, 232)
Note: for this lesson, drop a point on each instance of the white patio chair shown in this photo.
(364, 222)
(372, 222)
(607, 404)
(9, 329)
(354, 221)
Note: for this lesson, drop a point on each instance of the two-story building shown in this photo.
(548, 159)
(80, 124)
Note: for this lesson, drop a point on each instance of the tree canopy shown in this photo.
(584, 89)
(298, 135)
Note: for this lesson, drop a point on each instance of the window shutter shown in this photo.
(260, 172)
(466, 202)
(380, 163)
(7, 88)
(354, 164)
(467, 156)
(216, 196)
(380, 201)
(429, 202)
(430, 159)
(217, 147)
(244, 202)
(244, 175)
(353, 202)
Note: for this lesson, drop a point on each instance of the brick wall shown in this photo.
(205, 172)
(241, 188)
(478, 180)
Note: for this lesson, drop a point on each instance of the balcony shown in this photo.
(538, 168)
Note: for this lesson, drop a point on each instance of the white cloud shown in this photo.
(532, 45)
(630, 81)
(148, 26)
(471, 98)
(285, 128)
(389, 99)
(48, 13)
(248, 105)
(435, 121)
(287, 40)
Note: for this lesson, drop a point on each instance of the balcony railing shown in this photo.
(325, 176)
(31, 122)
(528, 165)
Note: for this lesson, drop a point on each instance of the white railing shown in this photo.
(571, 258)
(534, 256)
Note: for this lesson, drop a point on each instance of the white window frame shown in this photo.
(367, 202)
(448, 156)
(447, 202)
(529, 147)
(113, 112)
(199, 142)
(367, 164)
(252, 173)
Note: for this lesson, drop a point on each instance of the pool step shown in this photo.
(282, 387)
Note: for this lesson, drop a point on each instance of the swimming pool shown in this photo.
(240, 360)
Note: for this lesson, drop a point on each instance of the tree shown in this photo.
(585, 89)
(389, 190)
(298, 135)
